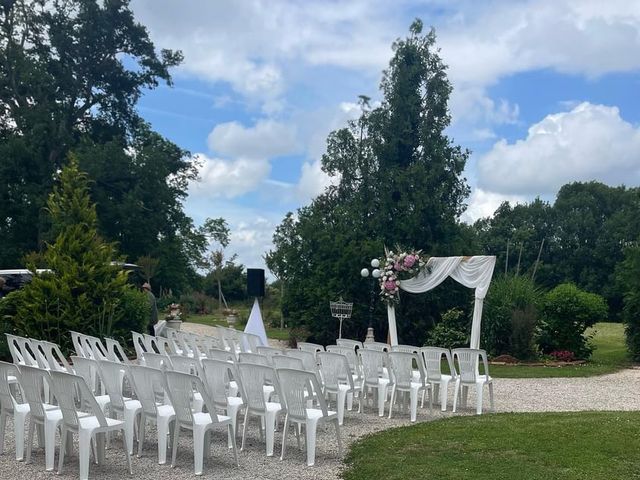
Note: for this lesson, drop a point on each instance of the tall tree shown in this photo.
(71, 73)
(398, 182)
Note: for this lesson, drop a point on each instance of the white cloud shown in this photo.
(313, 181)
(483, 204)
(590, 142)
(228, 178)
(266, 139)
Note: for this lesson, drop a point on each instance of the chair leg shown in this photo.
(382, 396)
(129, 427)
(456, 390)
(199, 439)
(174, 449)
(30, 441)
(63, 448)
(285, 430)
(338, 438)
(50, 445)
(478, 398)
(163, 426)
(340, 401)
(244, 428)
(3, 424)
(310, 429)
(84, 449)
(232, 432)
(493, 407)
(18, 428)
(413, 399)
(270, 425)
(128, 451)
(391, 401)
(443, 396)
(141, 427)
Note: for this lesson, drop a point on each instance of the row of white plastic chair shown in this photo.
(431, 358)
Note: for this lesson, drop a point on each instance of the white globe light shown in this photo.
(364, 272)
(375, 263)
(376, 273)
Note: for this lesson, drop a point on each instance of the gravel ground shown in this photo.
(616, 391)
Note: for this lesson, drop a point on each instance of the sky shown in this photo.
(545, 92)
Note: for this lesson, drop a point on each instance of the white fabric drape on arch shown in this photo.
(473, 272)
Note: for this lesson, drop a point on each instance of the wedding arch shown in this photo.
(473, 272)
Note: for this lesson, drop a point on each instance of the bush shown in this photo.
(507, 295)
(567, 312)
(451, 332)
(196, 302)
(628, 277)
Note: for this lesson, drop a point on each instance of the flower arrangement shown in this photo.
(396, 267)
(174, 312)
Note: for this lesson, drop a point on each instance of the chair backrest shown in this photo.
(468, 363)
(284, 361)
(269, 352)
(348, 352)
(7, 400)
(373, 363)
(405, 348)
(220, 354)
(32, 380)
(157, 360)
(165, 346)
(185, 364)
(250, 342)
(253, 358)
(86, 368)
(230, 338)
(432, 357)
(191, 341)
(352, 344)
(181, 387)
(378, 346)
(309, 361)
(295, 386)
(335, 370)
(149, 343)
(402, 365)
(216, 375)
(253, 377)
(94, 346)
(14, 349)
(310, 347)
(70, 391)
(149, 386)
(110, 374)
(139, 345)
(115, 352)
(50, 357)
(76, 339)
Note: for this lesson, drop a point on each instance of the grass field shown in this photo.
(215, 319)
(532, 446)
(610, 354)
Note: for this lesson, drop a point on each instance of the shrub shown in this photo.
(507, 295)
(523, 329)
(628, 277)
(451, 332)
(567, 312)
(563, 355)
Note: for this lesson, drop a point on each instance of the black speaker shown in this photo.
(255, 282)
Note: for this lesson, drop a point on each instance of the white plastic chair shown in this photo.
(338, 380)
(149, 386)
(250, 342)
(405, 349)
(295, 384)
(284, 361)
(190, 366)
(115, 352)
(351, 355)
(47, 417)
(76, 339)
(22, 351)
(376, 346)
(90, 428)
(253, 379)
(51, 358)
(157, 360)
(402, 364)
(374, 363)
(95, 347)
(217, 376)
(269, 352)
(309, 361)
(112, 376)
(139, 346)
(87, 368)
(432, 357)
(310, 347)
(468, 376)
(181, 387)
(11, 408)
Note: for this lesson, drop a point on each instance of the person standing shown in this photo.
(153, 318)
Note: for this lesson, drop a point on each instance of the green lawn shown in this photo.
(570, 446)
(215, 319)
(610, 354)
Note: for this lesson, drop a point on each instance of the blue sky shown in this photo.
(545, 92)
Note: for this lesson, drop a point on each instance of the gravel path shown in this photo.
(616, 391)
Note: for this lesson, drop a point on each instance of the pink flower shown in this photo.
(409, 260)
(397, 267)
(390, 285)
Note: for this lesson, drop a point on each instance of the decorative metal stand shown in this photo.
(341, 310)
